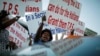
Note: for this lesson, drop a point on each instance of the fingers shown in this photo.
(44, 18)
(17, 17)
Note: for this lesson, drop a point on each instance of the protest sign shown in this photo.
(14, 7)
(33, 21)
(17, 34)
(63, 13)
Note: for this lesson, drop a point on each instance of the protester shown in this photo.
(42, 36)
(5, 21)
(71, 35)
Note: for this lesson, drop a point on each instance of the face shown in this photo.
(45, 36)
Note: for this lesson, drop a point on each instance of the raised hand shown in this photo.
(44, 18)
(17, 18)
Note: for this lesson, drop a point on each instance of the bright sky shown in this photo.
(90, 13)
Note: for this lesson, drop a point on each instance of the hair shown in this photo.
(3, 13)
(47, 30)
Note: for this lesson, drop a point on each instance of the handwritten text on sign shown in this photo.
(15, 7)
(34, 16)
(65, 11)
(17, 33)
(51, 20)
(32, 5)
(59, 23)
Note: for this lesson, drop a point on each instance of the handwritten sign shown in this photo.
(80, 28)
(17, 34)
(33, 21)
(15, 7)
(63, 13)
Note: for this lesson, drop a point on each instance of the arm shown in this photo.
(9, 22)
(38, 33)
(56, 36)
(30, 41)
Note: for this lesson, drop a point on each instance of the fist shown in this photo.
(17, 17)
(44, 18)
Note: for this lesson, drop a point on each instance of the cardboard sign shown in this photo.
(32, 5)
(17, 34)
(33, 21)
(80, 28)
(14, 7)
(63, 13)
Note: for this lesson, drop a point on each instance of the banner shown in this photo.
(80, 28)
(32, 5)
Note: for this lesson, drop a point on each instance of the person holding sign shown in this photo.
(70, 36)
(5, 21)
(42, 36)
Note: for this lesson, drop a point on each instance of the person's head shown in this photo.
(46, 35)
(3, 15)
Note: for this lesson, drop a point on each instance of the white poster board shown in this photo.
(14, 7)
(32, 5)
(80, 28)
(17, 34)
(63, 13)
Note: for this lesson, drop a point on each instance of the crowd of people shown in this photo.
(41, 37)
(5, 44)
